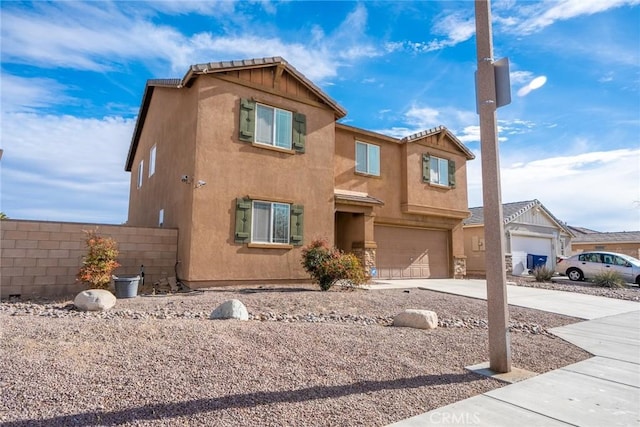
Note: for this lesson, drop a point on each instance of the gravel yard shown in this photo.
(629, 293)
(304, 358)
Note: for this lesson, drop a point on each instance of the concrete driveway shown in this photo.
(570, 304)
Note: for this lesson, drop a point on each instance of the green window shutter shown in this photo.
(247, 120)
(299, 131)
(243, 220)
(426, 173)
(452, 174)
(297, 225)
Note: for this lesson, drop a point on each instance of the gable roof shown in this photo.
(511, 211)
(366, 132)
(443, 131)
(608, 237)
(220, 67)
(581, 230)
(245, 64)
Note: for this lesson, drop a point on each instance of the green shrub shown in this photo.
(328, 265)
(609, 279)
(542, 274)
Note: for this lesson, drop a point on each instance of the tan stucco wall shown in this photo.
(170, 125)
(261, 173)
(400, 182)
(425, 196)
(231, 169)
(475, 253)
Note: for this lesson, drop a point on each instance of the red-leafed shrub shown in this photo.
(99, 262)
(326, 265)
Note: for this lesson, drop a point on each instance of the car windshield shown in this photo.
(633, 261)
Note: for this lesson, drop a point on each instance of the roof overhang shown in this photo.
(356, 198)
(442, 131)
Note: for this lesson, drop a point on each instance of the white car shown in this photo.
(589, 264)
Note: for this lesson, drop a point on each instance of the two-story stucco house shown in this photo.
(246, 159)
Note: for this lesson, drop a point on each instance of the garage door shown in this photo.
(523, 245)
(405, 253)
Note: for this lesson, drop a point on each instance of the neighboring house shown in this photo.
(624, 242)
(246, 159)
(530, 229)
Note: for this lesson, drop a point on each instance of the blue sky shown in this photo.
(73, 73)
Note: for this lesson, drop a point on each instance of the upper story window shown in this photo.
(140, 172)
(265, 222)
(273, 126)
(367, 158)
(267, 125)
(439, 171)
(152, 160)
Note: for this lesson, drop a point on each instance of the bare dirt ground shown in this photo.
(305, 358)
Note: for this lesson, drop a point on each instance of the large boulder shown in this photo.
(419, 319)
(231, 309)
(94, 300)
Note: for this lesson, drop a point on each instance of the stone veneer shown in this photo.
(367, 257)
(508, 261)
(459, 267)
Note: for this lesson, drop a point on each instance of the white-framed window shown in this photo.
(439, 170)
(270, 222)
(140, 173)
(273, 126)
(367, 158)
(152, 160)
(161, 218)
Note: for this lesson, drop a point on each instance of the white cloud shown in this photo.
(455, 28)
(207, 8)
(520, 77)
(464, 124)
(469, 134)
(21, 94)
(532, 85)
(595, 190)
(80, 161)
(61, 35)
(607, 77)
(92, 40)
(533, 17)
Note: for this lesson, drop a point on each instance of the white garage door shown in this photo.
(405, 253)
(521, 246)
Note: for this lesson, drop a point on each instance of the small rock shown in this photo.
(419, 319)
(94, 300)
(231, 309)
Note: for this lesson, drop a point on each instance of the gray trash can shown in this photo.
(126, 286)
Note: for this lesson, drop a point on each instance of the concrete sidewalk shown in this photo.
(603, 390)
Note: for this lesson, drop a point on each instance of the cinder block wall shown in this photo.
(41, 258)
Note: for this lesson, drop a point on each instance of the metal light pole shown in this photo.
(487, 99)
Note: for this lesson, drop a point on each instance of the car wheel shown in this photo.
(575, 274)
